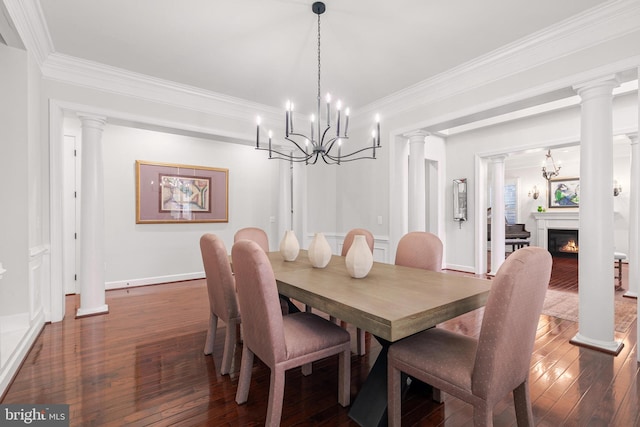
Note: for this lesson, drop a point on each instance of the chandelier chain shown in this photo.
(318, 60)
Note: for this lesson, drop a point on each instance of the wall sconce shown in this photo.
(534, 192)
(617, 188)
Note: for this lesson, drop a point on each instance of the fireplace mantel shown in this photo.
(563, 220)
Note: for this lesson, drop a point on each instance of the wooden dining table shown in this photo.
(392, 302)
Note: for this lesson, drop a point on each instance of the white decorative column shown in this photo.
(417, 181)
(91, 274)
(497, 215)
(634, 219)
(595, 266)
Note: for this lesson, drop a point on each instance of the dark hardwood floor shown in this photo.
(143, 364)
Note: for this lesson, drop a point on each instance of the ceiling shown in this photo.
(266, 51)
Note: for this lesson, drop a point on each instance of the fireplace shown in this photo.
(562, 242)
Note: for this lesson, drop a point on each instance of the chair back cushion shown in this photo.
(510, 322)
(420, 249)
(348, 239)
(220, 282)
(258, 297)
(256, 234)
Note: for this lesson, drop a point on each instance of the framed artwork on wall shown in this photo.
(171, 193)
(564, 193)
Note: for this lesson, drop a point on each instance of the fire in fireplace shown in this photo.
(570, 247)
(562, 242)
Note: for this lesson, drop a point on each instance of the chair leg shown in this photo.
(436, 395)
(522, 403)
(394, 406)
(307, 369)
(229, 347)
(344, 377)
(483, 416)
(211, 334)
(276, 395)
(244, 380)
(361, 342)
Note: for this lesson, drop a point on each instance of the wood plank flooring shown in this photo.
(143, 364)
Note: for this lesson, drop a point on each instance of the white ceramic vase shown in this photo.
(289, 246)
(319, 251)
(359, 258)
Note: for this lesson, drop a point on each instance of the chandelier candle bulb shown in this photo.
(258, 132)
(270, 135)
(338, 107)
(313, 119)
(328, 111)
(286, 119)
(291, 117)
(346, 121)
(378, 128)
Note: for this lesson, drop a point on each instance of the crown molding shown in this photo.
(28, 18)
(608, 21)
(80, 72)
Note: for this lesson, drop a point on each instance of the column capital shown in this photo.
(417, 135)
(600, 86)
(633, 137)
(92, 120)
(498, 159)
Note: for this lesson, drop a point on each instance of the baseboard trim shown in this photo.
(9, 370)
(122, 284)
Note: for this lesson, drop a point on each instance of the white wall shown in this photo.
(22, 250)
(14, 175)
(138, 254)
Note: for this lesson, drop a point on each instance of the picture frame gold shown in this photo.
(174, 193)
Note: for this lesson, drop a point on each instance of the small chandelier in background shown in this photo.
(546, 173)
(321, 142)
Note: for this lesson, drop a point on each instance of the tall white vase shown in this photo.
(289, 246)
(319, 251)
(359, 258)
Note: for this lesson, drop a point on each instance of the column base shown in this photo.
(85, 312)
(630, 294)
(609, 347)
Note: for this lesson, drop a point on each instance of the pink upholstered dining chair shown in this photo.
(420, 249)
(346, 245)
(281, 342)
(482, 371)
(222, 297)
(256, 234)
(259, 236)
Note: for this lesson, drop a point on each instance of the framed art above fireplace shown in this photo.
(564, 193)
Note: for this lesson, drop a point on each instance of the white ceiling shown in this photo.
(265, 50)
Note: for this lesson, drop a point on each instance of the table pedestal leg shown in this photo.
(370, 406)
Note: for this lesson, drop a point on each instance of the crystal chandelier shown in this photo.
(321, 142)
(548, 174)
